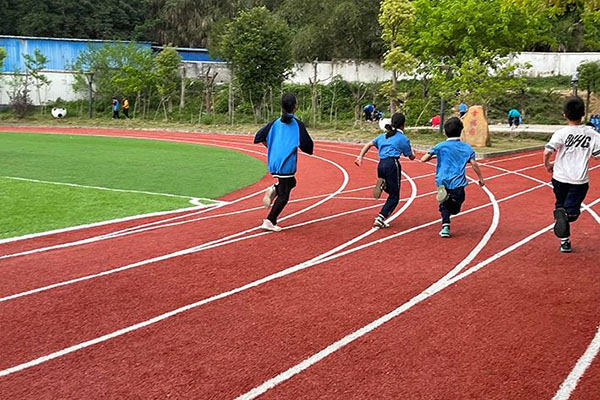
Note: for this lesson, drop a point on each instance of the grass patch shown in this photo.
(117, 163)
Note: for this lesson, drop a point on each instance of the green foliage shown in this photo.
(473, 29)
(104, 19)
(589, 76)
(34, 65)
(397, 18)
(257, 47)
(118, 69)
(333, 29)
(2, 56)
(166, 67)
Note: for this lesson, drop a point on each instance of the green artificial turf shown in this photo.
(130, 164)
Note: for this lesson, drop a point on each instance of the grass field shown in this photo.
(175, 173)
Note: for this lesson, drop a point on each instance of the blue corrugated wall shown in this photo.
(61, 53)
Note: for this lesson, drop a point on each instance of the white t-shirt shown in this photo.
(575, 145)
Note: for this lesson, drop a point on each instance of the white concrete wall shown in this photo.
(552, 64)
(543, 64)
(60, 87)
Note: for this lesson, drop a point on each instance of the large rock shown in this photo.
(476, 132)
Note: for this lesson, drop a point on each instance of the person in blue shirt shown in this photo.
(462, 109)
(368, 111)
(115, 108)
(391, 145)
(282, 138)
(451, 171)
(514, 118)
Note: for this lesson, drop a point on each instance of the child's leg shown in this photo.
(284, 188)
(561, 226)
(575, 196)
(389, 169)
(456, 198)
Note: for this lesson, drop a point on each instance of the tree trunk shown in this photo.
(393, 94)
(587, 103)
(182, 98)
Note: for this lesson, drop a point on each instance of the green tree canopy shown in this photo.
(257, 45)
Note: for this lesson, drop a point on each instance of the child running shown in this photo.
(391, 145)
(573, 145)
(282, 138)
(451, 171)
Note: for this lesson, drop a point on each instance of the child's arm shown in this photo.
(363, 151)
(478, 172)
(412, 154)
(547, 155)
(426, 157)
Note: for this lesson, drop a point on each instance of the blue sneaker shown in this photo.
(445, 232)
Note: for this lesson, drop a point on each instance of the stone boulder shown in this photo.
(476, 132)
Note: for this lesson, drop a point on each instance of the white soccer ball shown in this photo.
(383, 122)
(59, 112)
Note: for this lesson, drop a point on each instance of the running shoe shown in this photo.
(269, 226)
(379, 187)
(561, 225)
(269, 196)
(445, 232)
(565, 246)
(380, 223)
(442, 194)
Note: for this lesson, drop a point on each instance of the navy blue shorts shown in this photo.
(570, 197)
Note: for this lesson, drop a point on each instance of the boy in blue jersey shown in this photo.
(451, 175)
(282, 138)
(391, 145)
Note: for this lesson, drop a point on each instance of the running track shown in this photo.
(200, 304)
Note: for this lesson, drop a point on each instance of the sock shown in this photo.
(564, 240)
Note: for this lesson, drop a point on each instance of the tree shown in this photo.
(114, 69)
(589, 78)
(397, 18)
(471, 29)
(34, 65)
(256, 44)
(166, 67)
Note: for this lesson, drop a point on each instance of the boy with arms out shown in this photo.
(391, 145)
(451, 171)
(573, 145)
(282, 138)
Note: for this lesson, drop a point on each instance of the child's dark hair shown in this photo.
(453, 127)
(398, 121)
(574, 108)
(288, 104)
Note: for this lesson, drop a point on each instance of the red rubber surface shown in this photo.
(514, 329)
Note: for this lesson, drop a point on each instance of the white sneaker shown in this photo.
(269, 196)
(268, 226)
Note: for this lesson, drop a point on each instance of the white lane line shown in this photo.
(219, 243)
(165, 222)
(97, 224)
(192, 199)
(570, 383)
(120, 233)
(572, 380)
(118, 220)
(145, 227)
(220, 296)
(426, 294)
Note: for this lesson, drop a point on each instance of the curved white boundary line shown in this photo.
(307, 363)
(572, 380)
(135, 229)
(193, 200)
(259, 282)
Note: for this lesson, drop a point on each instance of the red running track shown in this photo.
(514, 329)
